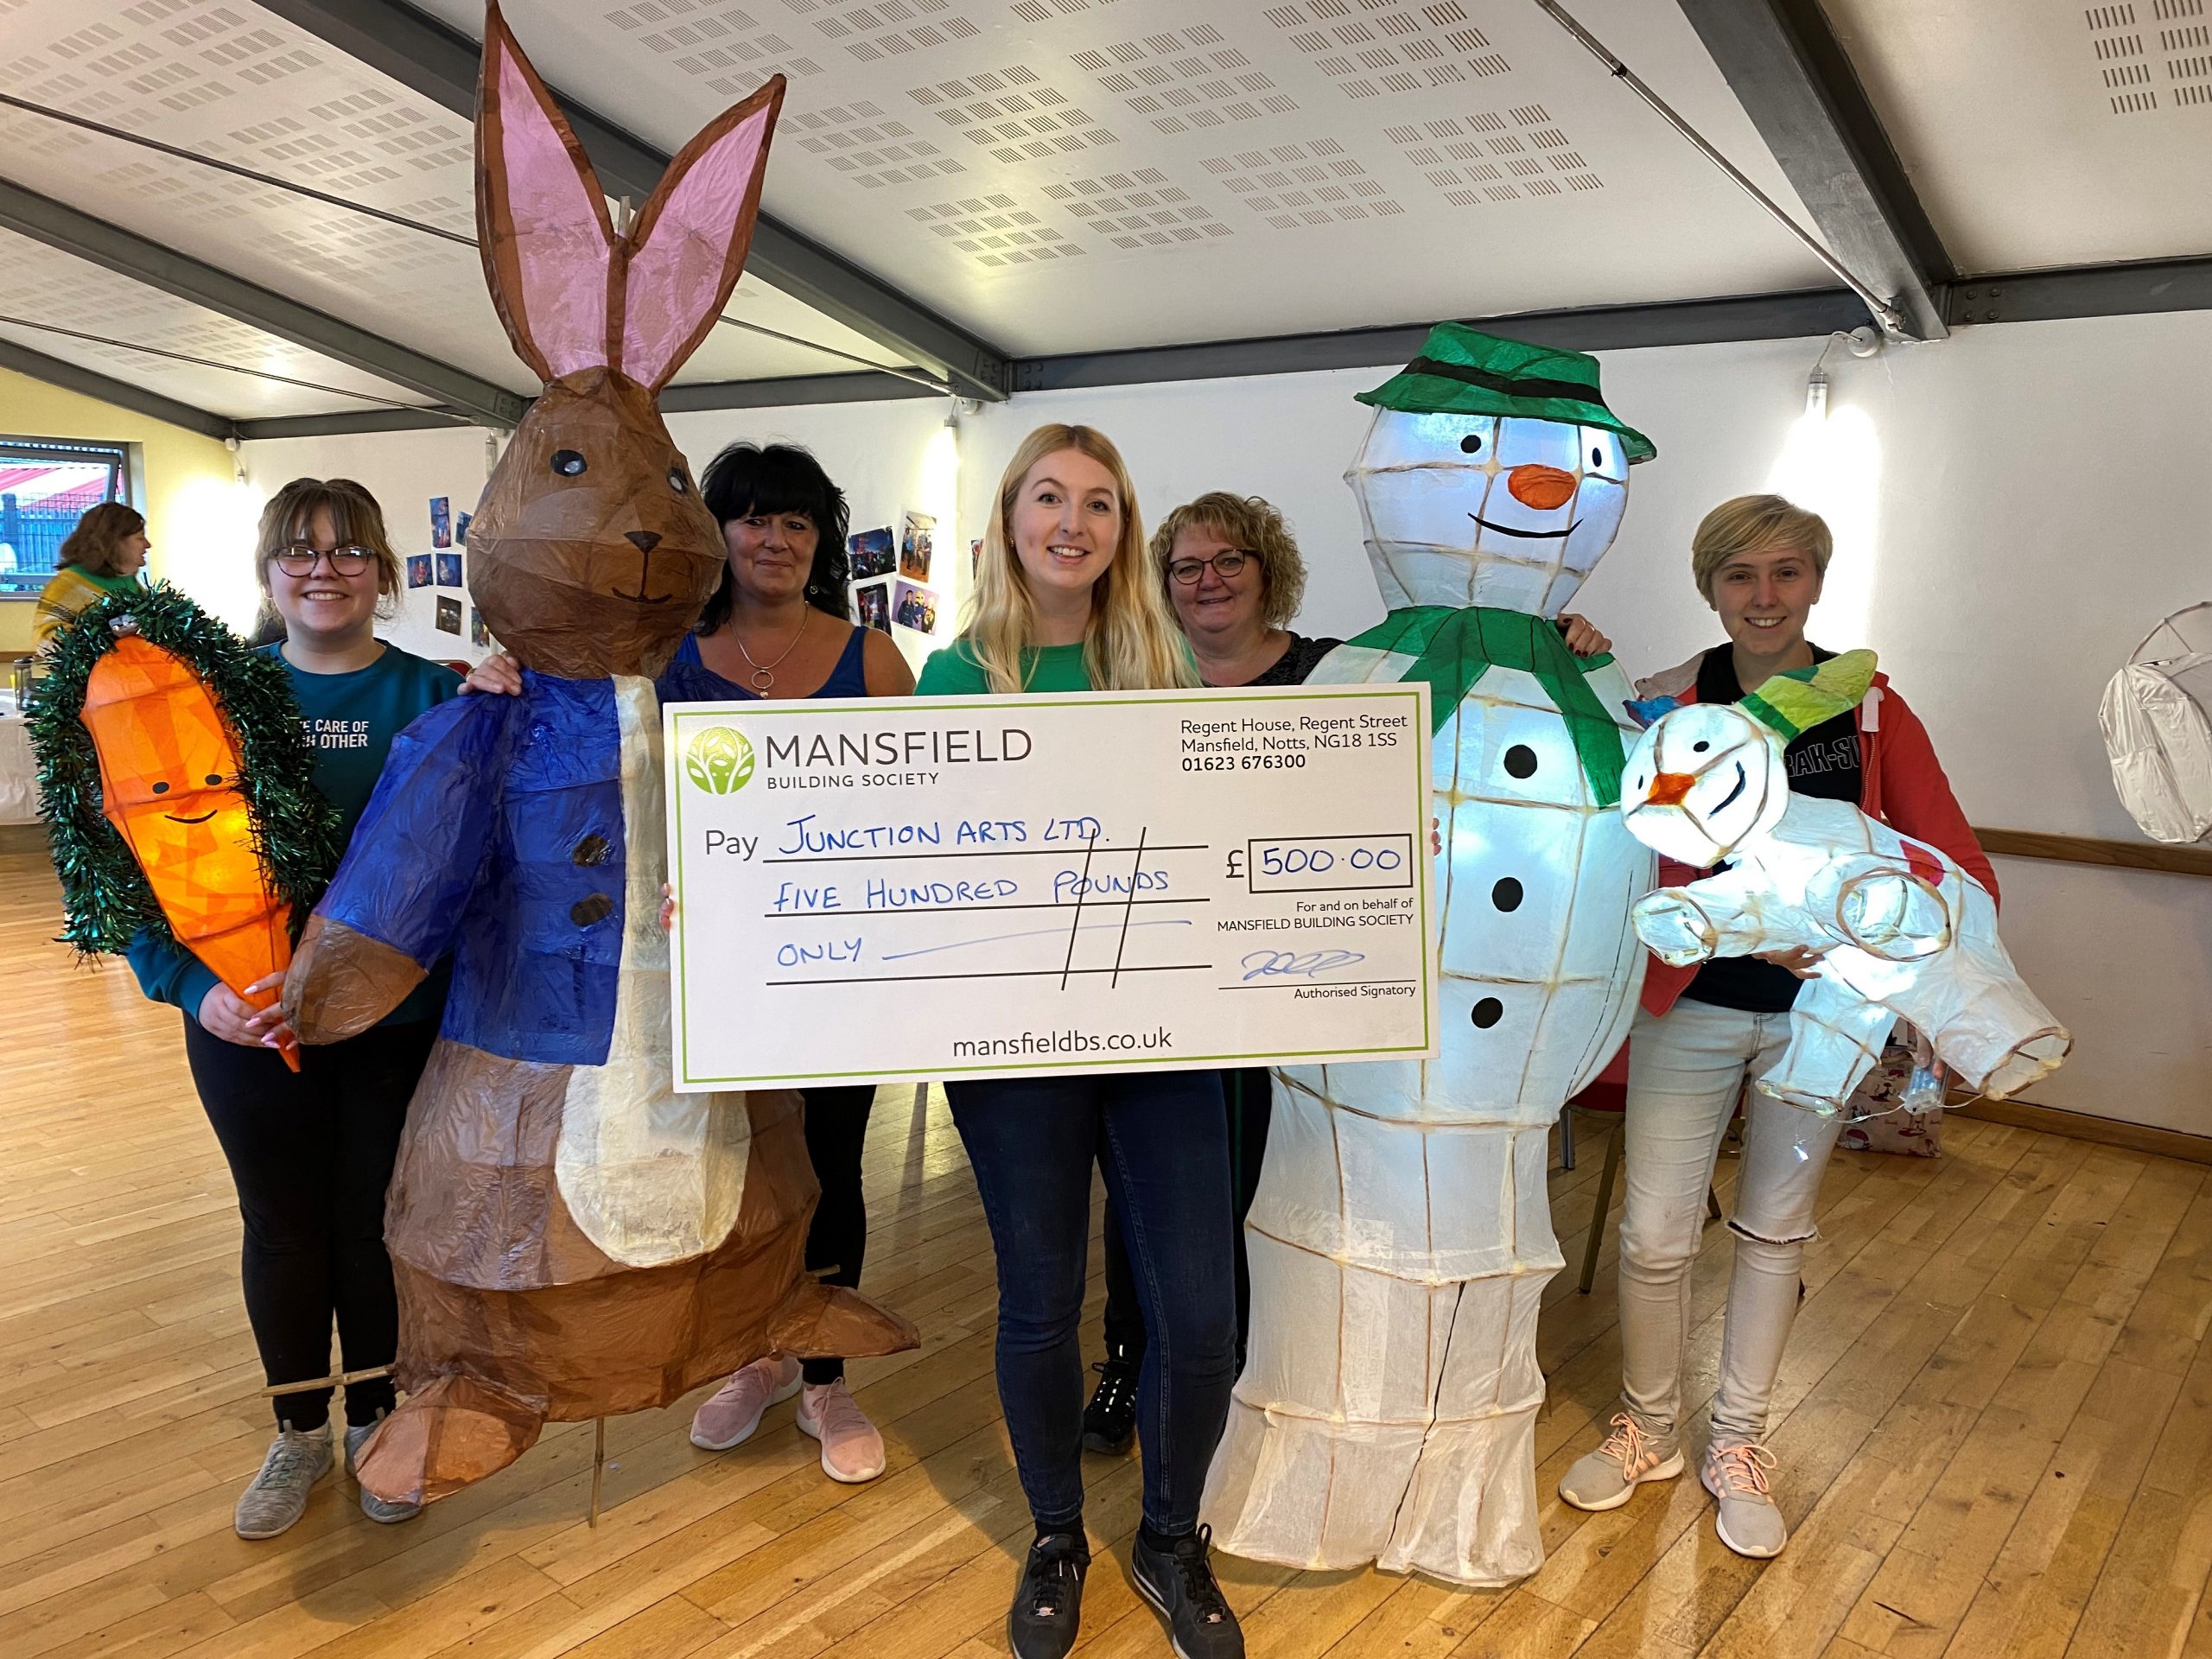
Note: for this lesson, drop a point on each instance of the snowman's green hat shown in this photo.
(1462, 371)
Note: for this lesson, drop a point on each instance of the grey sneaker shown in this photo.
(1608, 1477)
(1748, 1522)
(278, 1495)
(373, 1506)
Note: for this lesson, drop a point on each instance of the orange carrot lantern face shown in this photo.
(169, 784)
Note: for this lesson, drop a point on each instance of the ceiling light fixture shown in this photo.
(1893, 321)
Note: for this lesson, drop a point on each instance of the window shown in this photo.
(45, 487)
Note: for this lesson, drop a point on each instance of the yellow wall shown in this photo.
(193, 503)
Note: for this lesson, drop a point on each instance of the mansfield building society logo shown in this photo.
(719, 760)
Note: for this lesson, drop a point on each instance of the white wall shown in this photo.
(2015, 507)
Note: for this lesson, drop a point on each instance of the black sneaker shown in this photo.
(1109, 1421)
(1048, 1602)
(1179, 1585)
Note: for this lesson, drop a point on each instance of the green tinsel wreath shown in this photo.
(107, 899)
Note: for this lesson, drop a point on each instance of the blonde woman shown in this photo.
(1704, 1032)
(1069, 599)
(102, 555)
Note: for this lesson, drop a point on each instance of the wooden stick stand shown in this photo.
(598, 1463)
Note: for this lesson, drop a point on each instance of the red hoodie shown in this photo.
(1903, 787)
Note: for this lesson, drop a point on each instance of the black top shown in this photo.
(1823, 762)
(1294, 664)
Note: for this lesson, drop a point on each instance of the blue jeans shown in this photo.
(1161, 1139)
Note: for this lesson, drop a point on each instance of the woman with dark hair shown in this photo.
(776, 628)
(102, 555)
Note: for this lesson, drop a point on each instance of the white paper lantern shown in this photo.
(1401, 1236)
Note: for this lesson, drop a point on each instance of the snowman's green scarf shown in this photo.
(1454, 648)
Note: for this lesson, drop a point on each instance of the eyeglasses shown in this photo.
(298, 560)
(1225, 564)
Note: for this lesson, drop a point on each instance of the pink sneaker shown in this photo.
(851, 1449)
(731, 1416)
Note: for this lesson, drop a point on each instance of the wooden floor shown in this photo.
(1994, 1427)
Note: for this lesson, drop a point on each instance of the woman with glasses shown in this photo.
(311, 1153)
(1234, 577)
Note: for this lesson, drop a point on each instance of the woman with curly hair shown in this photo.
(1234, 576)
(102, 555)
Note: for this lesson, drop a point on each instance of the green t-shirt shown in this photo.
(351, 720)
(954, 672)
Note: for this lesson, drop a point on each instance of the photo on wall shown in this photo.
(449, 615)
(915, 607)
(874, 553)
(441, 522)
(917, 536)
(872, 605)
(418, 569)
(449, 570)
(460, 528)
(974, 555)
(480, 631)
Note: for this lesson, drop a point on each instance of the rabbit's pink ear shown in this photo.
(541, 217)
(689, 245)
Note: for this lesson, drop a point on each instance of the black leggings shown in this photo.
(836, 1129)
(310, 1153)
(1248, 1094)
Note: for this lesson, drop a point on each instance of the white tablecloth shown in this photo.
(18, 772)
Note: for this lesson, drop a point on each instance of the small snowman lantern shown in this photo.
(1901, 930)
(1402, 1235)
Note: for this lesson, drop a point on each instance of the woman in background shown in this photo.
(102, 555)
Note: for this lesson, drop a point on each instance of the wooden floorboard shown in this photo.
(1994, 1425)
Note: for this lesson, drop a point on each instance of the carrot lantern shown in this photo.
(169, 784)
(175, 783)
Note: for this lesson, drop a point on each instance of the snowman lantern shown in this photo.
(1401, 1235)
(1902, 930)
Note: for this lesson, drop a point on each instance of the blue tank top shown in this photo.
(687, 679)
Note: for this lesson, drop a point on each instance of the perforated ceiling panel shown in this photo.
(45, 286)
(2039, 132)
(1073, 174)
(223, 77)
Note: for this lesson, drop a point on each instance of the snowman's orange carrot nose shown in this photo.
(1541, 487)
(1668, 788)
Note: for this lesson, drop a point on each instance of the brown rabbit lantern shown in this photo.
(570, 1238)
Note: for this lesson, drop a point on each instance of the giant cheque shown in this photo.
(891, 891)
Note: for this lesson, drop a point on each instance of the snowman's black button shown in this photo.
(1521, 760)
(592, 849)
(1487, 1013)
(1469, 444)
(596, 907)
(1506, 895)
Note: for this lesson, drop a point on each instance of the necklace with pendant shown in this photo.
(763, 674)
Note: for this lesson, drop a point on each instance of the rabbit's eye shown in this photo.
(677, 482)
(567, 463)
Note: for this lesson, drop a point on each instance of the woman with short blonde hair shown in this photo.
(1068, 598)
(1757, 524)
(101, 555)
(1704, 1032)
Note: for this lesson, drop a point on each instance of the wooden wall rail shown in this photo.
(2088, 850)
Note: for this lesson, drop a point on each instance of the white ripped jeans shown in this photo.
(1685, 1071)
